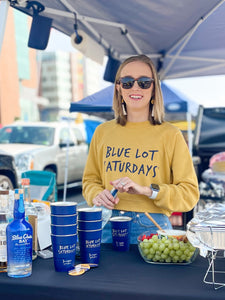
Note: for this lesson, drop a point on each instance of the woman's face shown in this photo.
(136, 98)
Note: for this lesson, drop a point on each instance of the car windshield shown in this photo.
(27, 135)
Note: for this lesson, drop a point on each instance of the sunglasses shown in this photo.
(128, 82)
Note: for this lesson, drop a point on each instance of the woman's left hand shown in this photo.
(125, 184)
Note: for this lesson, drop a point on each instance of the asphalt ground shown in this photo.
(73, 194)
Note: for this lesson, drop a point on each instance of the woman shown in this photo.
(139, 154)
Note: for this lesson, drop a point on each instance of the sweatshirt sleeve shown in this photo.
(183, 193)
(92, 181)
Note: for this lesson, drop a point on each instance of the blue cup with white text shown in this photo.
(90, 214)
(64, 251)
(64, 229)
(120, 227)
(89, 225)
(90, 245)
(63, 219)
(63, 208)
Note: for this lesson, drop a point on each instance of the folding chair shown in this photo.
(42, 185)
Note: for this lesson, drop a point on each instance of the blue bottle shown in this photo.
(19, 241)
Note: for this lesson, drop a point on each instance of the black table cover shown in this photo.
(120, 275)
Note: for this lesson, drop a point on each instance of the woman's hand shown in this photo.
(106, 199)
(125, 184)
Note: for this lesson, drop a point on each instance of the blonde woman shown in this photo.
(141, 155)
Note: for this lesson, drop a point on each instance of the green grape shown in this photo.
(155, 246)
(175, 258)
(163, 256)
(167, 242)
(172, 253)
(145, 251)
(155, 237)
(181, 243)
(152, 251)
(157, 257)
(168, 260)
(183, 257)
(170, 246)
(150, 256)
(164, 239)
(178, 253)
(151, 241)
(176, 246)
(166, 251)
(142, 245)
(162, 247)
(187, 252)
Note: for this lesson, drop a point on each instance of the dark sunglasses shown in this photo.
(128, 82)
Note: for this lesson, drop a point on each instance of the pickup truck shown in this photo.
(59, 147)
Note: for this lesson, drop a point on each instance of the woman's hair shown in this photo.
(157, 98)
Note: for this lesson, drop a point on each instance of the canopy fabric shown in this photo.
(174, 101)
(184, 38)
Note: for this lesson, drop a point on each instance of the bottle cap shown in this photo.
(25, 181)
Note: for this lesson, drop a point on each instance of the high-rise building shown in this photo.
(18, 72)
(66, 77)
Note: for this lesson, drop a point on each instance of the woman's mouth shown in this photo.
(136, 97)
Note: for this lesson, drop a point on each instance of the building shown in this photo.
(18, 72)
(66, 77)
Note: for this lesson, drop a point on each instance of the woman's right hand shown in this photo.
(106, 199)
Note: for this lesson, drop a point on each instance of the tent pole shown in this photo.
(190, 143)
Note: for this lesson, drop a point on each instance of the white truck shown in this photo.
(58, 147)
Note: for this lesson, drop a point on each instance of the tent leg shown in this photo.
(190, 143)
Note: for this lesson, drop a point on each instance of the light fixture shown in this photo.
(40, 28)
(78, 38)
(85, 44)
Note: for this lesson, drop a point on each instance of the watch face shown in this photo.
(155, 187)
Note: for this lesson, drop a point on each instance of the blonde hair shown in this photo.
(157, 98)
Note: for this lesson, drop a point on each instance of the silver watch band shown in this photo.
(154, 194)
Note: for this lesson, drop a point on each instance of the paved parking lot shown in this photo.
(73, 194)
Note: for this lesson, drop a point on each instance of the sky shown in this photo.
(208, 91)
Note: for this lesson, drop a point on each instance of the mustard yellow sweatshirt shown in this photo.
(147, 154)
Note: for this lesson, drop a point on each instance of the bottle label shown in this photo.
(3, 249)
(20, 247)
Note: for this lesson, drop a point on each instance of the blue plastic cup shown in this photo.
(120, 227)
(64, 229)
(90, 245)
(90, 214)
(89, 225)
(64, 251)
(63, 219)
(63, 208)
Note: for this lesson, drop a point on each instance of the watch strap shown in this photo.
(154, 194)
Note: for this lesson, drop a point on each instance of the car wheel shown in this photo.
(6, 183)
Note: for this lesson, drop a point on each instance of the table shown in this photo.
(120, 275)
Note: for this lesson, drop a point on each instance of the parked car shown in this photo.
(50, 146)
(8, 173)
(209, 137)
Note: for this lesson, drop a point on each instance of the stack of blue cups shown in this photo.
(89, 234)
(64, 234)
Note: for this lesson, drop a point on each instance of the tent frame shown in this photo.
(179, 45)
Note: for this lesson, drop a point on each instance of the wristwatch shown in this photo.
(155, 189)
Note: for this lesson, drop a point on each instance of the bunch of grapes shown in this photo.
(163, 249)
